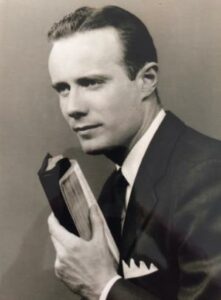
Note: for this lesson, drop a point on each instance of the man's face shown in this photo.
(97, 99)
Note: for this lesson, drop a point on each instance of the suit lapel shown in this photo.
(153, 167)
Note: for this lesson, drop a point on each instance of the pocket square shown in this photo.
(133, 271)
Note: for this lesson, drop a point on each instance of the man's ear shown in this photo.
(147, 79)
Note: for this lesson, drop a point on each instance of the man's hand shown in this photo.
(84, 266)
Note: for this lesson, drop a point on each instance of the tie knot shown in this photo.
(118, 193)
(119, 180)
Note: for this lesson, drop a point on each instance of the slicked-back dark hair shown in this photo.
(137, 42)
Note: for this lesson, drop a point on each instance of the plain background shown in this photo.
(187, 36)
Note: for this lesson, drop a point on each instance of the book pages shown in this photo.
(79, 198)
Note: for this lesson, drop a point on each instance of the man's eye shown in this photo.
(85, 82)
(62, 88)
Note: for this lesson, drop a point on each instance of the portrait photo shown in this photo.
(131, 91)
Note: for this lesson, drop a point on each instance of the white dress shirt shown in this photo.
(129, 170)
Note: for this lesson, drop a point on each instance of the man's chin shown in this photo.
(96, 150)
(93, 150)
(117, 154)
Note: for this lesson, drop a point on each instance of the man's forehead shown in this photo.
(96, 44)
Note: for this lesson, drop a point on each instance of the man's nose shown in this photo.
(76, 107)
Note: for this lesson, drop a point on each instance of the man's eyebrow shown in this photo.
(94, 77)
(58, 85)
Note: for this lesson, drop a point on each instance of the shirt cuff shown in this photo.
(108, 286)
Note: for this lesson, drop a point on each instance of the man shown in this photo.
(103, 64)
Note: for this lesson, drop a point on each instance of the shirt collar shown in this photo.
(133, 160)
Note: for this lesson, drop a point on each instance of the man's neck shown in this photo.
(118, 154)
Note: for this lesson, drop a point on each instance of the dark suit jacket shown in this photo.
(174, 218)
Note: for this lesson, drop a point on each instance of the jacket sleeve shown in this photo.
(124, 289)
(197, 222)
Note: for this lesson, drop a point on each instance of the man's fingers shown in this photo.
(58, 232)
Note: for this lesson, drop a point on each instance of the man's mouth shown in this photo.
(86, 128)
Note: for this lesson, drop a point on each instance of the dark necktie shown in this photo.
(119, 186)
(112, 203)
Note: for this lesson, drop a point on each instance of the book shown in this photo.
(71, 197)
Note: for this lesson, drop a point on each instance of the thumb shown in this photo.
(96, 221)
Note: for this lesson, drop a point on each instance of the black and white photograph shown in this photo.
(110, 150)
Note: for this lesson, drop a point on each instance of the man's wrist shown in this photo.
(108, 286)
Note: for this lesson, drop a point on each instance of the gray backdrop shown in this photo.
(187, 35)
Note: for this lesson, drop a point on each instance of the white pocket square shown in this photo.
(133, 271)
